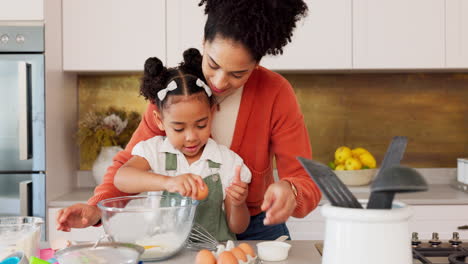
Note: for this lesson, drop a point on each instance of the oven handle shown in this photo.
(25, 108)
(26, 201)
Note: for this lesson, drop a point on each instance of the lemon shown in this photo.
(342, 154)
(368, 160)
(356, 152)
(352, 164)
(338, 163)
(340, 167)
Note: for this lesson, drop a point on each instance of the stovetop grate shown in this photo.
(454, 255)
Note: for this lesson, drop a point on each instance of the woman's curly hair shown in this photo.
(156, 77)
(262, 26)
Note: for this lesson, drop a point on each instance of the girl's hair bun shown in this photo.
(153, 67)
(192, 57)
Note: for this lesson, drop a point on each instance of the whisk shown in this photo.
(200, 238)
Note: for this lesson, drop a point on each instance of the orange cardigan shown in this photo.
(269, 123)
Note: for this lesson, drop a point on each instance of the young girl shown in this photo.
(186, 157)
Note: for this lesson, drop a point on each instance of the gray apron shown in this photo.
(210, 213)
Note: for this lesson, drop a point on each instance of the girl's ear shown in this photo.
(158, 119)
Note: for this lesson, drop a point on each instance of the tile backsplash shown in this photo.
(365, 110)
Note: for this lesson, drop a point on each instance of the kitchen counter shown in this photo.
(302, 251)
(438, 194)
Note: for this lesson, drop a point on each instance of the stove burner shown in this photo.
(452, 252)
(458, 258)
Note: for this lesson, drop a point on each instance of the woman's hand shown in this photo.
(238, 191)
(77, 216)
(279, 203)
(185, 184)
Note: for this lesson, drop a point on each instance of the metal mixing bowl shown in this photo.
(160, 223)
(100, 253)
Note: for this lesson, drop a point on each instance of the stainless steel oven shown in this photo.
(22, 124)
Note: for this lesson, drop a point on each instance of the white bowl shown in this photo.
(273, 250)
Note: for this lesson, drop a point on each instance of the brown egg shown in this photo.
(205, 257)
(247, 249)
(202, 194)
(239, 254)
(226, 257)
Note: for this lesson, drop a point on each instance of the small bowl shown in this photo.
(356, 177)
(273, 250)
(17, 257)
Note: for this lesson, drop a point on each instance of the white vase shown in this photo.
(103, 161)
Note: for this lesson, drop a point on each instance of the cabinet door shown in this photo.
(76, 234)
(443, 219)
(311, 227)
(112, 35)
(457, 33)
(320, 41)
(398, 34)
(185, 25)
(21, 9)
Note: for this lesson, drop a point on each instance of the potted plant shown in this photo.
(101, 134)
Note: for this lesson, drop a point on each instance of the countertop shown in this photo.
(302, 251)
(438, 194)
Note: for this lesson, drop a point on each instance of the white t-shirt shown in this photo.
(224, 120)
(154, 151)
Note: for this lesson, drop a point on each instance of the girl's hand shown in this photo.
(279, 203)
(238, 190)
(185, 184)
(77, 216)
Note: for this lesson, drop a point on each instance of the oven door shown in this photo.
(22, 137)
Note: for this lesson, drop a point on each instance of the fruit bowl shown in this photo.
(159, 223)
(356, 177)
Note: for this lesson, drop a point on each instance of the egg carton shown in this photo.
(229, 246)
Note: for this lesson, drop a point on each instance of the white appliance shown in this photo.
(22, 128)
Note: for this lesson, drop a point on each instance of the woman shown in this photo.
(258, 116)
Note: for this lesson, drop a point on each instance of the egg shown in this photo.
(239, 254)
(227, 257)
(205, 257)
(248, 250)
(202, 194)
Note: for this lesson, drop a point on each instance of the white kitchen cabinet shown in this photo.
(21, 10)
(457, 33)
(398, 34)
(76, 234)
(322, 40)
(112, 35)
(185, 27)
(443, 219)
(426, 219)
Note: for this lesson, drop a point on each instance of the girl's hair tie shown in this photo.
(170, 87)
(201, 83)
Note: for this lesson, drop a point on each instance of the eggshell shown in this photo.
(248, 250)
(227, 258)
(205, 257)
(239, 254)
